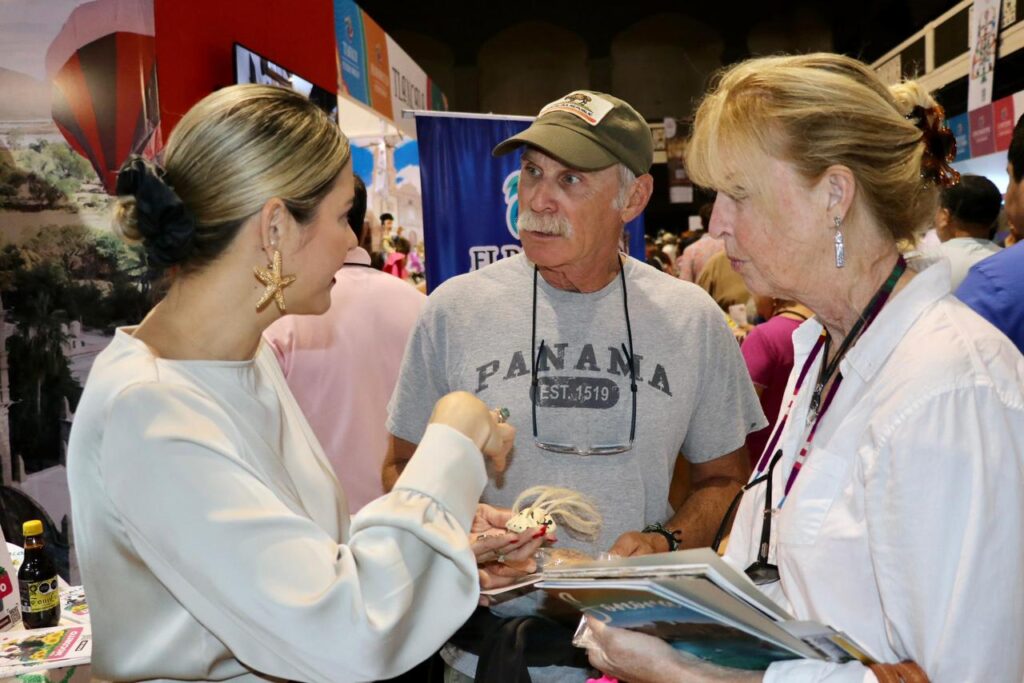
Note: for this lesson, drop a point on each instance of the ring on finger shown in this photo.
(502, 415)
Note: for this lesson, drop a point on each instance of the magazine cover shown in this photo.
(74, 607)
(685, 627)
(693, 562)
(700, 604)
(44, 648)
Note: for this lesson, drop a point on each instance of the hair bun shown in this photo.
(939, 145)
(165, 224)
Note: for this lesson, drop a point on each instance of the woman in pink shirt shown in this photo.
(768, 351)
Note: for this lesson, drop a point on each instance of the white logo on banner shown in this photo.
(511, 190)
(486, 254)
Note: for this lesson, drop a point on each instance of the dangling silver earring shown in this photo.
(840, 247)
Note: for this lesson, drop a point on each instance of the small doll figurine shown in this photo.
(576, 514)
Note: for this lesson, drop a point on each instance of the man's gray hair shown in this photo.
(626, 180)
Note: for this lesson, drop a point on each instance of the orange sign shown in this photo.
(377, 66)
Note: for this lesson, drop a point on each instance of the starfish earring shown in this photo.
(274, 282)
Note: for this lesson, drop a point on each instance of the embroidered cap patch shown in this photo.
(584, 105)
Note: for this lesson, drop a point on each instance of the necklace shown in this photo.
(791, 312)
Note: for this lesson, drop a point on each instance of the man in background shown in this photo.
(723, 283)
(387, 240)
(965, 223)
(696, 256)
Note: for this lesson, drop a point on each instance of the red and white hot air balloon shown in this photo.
(102, 66)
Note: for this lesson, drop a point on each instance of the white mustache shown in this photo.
(545, 224)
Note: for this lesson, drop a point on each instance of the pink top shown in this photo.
(768, 351)
(395, 265)
(343, 365)
(696, 256)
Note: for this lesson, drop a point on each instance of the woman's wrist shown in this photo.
(465, 413)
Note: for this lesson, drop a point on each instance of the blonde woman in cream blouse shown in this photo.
(214, 540)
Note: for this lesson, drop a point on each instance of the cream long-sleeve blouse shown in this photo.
(215, 543)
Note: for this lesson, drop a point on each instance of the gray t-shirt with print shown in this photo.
(694, 394)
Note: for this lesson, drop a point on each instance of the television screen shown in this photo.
(251, 67)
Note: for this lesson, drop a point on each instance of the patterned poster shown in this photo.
(984, 39)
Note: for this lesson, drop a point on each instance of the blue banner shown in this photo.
(471, 199)
(348, 30)
(961, 127)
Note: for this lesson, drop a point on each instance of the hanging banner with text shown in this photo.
(983, 40)
(471, 199)
(376, 71)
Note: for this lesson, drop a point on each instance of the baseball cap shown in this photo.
(589, 131)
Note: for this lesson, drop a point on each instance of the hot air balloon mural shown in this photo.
(102, 66)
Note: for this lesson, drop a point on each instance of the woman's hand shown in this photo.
(466, 413)
(504, 557)
(640, 658)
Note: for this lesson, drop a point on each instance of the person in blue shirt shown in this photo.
(994, 287)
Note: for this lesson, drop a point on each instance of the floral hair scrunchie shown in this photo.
(939, 145)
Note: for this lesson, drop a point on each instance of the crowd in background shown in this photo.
(392, 251)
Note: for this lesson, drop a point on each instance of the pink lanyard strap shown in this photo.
(801, 456)
(762, 464)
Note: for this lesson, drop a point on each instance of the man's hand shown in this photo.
(713, 483)
(636, 543)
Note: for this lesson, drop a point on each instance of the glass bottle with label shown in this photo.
(37, 581)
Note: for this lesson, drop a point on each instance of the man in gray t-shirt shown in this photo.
(549, 335)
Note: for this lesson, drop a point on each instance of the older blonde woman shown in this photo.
(214, 540)
(897, 465)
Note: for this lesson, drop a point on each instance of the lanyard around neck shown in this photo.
(867, 316)
(815, 414)
(535, 359)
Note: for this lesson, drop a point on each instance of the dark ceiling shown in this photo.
(862, 28)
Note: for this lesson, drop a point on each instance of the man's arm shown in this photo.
(713, 486)
(399, 453)
(714, 483)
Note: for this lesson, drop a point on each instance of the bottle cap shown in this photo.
(33, 527)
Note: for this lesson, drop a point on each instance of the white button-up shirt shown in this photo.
(905, 527)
